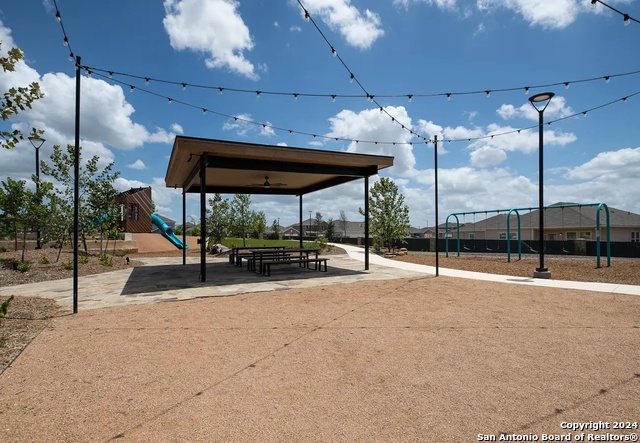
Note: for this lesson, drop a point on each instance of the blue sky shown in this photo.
(393, 47)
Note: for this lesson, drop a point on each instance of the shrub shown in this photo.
(4, 307)
(83, 260)
(68, 265)
(106, 260)
(24, 266)
(320, 242)
(3, 249)
(120, 253)
(45, 260)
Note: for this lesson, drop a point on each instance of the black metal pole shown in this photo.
(300, 219)
(76, 190)
(366, 223)
(184, 227)
(541, 190)
(203, 212)
(435, 165)
(38, 246)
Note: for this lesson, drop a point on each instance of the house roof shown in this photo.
(244, 168)
(131, 192)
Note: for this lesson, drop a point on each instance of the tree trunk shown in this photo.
(24, 244)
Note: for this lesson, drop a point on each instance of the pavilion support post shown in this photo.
(184, 226)
(366, 223)
(76, 188)
(203, 213)
(435, 202)
(300, 219)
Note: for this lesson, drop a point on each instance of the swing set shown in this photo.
(599, 207)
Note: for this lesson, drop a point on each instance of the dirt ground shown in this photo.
(28, 316)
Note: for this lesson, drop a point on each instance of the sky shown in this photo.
(406, 55)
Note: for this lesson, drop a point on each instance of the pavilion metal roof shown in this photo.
(243, 168)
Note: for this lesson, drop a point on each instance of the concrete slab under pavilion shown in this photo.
(199, 165)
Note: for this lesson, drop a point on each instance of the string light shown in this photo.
(426, 141)
(410, 97)
(627, 19)
(526, 90)
(65, 39)
(334, 96)
(607, 79)
(184, 86)
(488, 93)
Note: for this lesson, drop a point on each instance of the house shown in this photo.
(135, 209)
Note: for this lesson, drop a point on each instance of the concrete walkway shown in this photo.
(358, 254)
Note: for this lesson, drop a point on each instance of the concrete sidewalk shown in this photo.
(358, 254)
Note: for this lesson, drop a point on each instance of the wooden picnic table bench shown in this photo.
(318, 262)
(235, 256)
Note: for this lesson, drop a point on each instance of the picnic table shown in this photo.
(236, 256)
(262, 259)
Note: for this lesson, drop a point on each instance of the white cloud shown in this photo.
(138, 164)
(276, 24)
(557, 108)
(373, 125)
(487, 156)
(213, 27)
(360, 29)
(295, 29)
(177, 128)
(610, 165)
(243, 126)
(556, 14)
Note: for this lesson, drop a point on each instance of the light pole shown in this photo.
(541, 99)
(37, 142)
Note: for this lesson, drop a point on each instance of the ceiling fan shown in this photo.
(267, 184)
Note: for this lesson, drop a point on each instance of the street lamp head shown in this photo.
(541, 98)
(36, 141)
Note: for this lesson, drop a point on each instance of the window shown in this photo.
(134, 211)
(503, 236)
(572, 235)
(635, 236)
(123, 213)
(585, 235)
(472, 236)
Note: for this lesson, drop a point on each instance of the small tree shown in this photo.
(218, 221)
(275, 229)
(388, 213)
(241, 216)
(330, 233)
(317, 223)
(343, 223)
(16, 100)
(23, 209)
(96, 188)
(259, 223)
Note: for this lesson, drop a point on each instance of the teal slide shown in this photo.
(167, 232)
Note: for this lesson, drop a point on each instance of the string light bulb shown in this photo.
(351, 77)
(627, 19)
(221, 90)
(333, 98)
(71, 57)
(448, 96)
(607, 79)
(170, 100)
(488, 93)
(307, 17)
(110, 74)
(258, 94)
(184, 86)
(146, 81)
(593, 4)
(65, 42)
(566, 85)
(295, 96)
(334, 52)
(526, 90)
(410, 97)
(132, 88)
(58, 16)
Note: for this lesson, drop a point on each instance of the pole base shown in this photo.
(542, 273)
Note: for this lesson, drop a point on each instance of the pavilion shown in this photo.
(199, 165)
